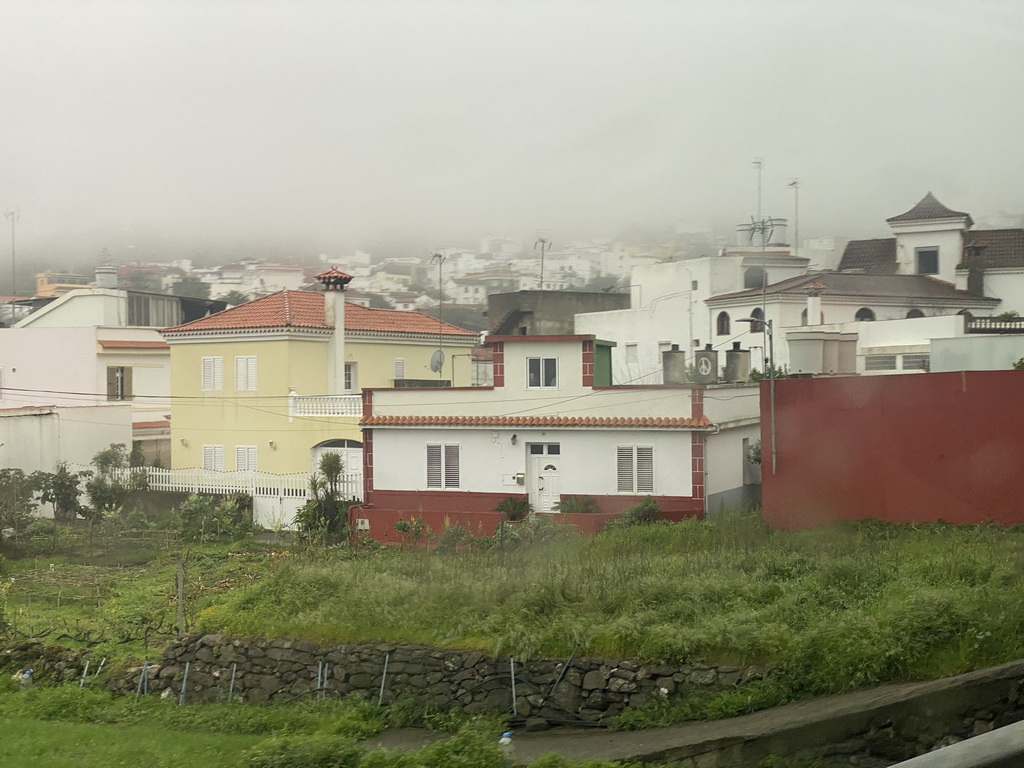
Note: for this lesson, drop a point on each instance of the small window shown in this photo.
(755, 277)
(245, 458)
(758, 316)
(927, 261)
(537, 449)
(916, 362)
(442, 465)
(914, 313)
(213, 458)
(399, 368)
(541, 372)
(880, 363)
(635, 468)
(722, 324)
(350, 377)
(245, 373)
(864, 314)
(119, 382)
(693, 285)
(213, 374)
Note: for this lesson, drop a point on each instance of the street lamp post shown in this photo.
(769, 330)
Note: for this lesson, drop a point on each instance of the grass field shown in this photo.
(26, 743)
(828, 610)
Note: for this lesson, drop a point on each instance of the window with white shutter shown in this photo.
(624, 468)
(245, 458)
(213, 374)
(245, 373)
(399, 368)
(644, 469)
(213, 458)
(442, 465)
(635, 468)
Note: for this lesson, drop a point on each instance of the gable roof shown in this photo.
(305, 310)
(873, 257)
(930, 208)
(993, 248)
(848, 284)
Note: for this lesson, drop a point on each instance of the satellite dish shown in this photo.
(437, 360)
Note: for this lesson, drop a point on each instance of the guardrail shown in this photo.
(306, 406)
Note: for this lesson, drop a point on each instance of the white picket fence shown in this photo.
(276, 498)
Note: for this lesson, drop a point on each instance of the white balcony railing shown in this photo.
(324, 405)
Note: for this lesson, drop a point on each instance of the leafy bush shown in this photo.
(305, 751)
(576, 505)
(644, 512)
(201, 518)
(514, 508)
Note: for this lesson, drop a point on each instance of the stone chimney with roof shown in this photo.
(334, 283)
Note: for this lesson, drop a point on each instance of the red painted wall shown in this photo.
(450, 502)
(382, 521)
(907, 448)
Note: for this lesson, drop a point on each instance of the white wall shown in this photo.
(948, 240)
(488, 460)
(39, 439)
(83, 307)
(977, 352)
(1008, 286)
(724, 459)
(38, 363)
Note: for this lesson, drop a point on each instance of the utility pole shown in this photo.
(12, 215)
(544, 242)
(436, 257)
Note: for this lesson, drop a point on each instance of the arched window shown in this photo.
(914, 313)
(723, 324)
(758, 315)
(864, 314)
(754, 277)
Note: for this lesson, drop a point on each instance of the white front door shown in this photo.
(542, 477)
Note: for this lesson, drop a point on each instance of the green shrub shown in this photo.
(644, 512)
(305, 751)
(577, 505)
(514, 508)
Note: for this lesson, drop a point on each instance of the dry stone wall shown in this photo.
(555, 689)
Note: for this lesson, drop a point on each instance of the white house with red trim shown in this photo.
(552, 426)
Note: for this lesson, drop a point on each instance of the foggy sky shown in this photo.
(323, 126)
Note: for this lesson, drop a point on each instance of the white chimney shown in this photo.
(106, 276)
(334, 283)
(814, 303)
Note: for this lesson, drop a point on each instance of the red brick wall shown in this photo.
(498, 364)
(588, 363)
(907, 448)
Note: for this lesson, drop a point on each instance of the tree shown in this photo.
(192, 288)
(107, 488)
(17, 499)
(325, 515)
(234, 298)
(63, 489)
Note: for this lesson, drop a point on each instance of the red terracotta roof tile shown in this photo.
(305, 309)
(132, 344)
(644, 422)
(162, 424)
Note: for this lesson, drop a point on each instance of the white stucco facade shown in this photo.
(490, 462)
(38, 439)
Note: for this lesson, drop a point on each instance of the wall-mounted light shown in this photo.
(184, 442)
(273, 445)
(515, 438)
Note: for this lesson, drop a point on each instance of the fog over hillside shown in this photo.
(214, 129)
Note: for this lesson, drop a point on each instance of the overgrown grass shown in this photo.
(71, 726)
(827, 610)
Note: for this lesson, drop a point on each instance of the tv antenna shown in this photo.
(544, 243)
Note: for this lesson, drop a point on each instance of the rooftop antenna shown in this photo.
(12, 215)
(436, 257)
(765, 227)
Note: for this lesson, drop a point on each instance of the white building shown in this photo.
(548, 429)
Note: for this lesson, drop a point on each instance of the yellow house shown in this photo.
(271, 384)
